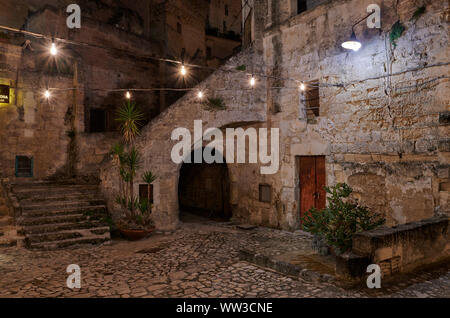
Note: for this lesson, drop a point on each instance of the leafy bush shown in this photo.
(341, 219)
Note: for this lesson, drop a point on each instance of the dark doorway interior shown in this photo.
(204, 190)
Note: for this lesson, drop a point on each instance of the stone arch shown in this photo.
(205, 189)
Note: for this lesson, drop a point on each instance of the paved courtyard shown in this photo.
(198, 260)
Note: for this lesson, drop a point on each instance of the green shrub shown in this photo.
(341, 219)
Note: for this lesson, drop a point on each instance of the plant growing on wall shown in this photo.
(396, 32)
(216, 103)
(127, 159)
(418, 13)
(341, 219)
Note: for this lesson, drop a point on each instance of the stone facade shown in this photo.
(381, 124)
(119, 44)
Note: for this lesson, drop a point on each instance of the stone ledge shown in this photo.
(282, 267)
(366, 243)
(405, 247)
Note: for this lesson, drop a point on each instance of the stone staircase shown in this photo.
(56, 215)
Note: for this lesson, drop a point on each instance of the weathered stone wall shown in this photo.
(30, 125)
(36, 127)
(385, 135)
(242, 107)
(217, 16)
(405, 247)
(380, 134)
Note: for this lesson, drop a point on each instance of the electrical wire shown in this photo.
(222, 69)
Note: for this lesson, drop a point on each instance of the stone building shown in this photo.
(376, 119)
(57, 112)
(223, 31)
(72, 130)
(114, 50)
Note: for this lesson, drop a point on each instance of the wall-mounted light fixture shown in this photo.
(353, 43)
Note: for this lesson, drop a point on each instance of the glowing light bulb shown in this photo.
(352, 43)
(252, 81)
(302, 87)
(183, 70)
(53, 49)
(47, 93)
(128, 95)
(200, 95)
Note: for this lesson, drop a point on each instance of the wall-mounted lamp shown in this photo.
(353, 43)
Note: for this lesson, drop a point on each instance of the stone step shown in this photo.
(55, 227)
(95, 239)
(60, 205)
(58, 215)
(87, 210)
(56, 219)
(66, 234)
(68, 196)
(21, 191)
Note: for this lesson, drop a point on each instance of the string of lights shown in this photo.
(184, 67)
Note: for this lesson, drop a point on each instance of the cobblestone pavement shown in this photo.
(198, 260)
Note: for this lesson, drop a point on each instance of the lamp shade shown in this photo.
(352, 44)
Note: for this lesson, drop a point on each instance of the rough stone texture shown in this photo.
(381, 134)
(407, 246)
(195, 261)
(155, 144)
(59, 215)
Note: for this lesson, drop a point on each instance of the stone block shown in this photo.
(351, 266)
(412, 244)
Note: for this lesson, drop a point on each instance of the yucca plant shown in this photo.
(127, 158)
(130, 120)
(132, 164)
(149, 178)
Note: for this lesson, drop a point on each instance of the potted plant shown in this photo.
(135, 218)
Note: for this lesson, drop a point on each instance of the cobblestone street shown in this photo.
(198, 260)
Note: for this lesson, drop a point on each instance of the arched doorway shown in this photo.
(204, 190)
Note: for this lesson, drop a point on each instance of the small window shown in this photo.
(24, 167)
(265, 193)
(144, 192)
(312, 101)
(301, 6)
(226, 10)
(224, 26)
(97, 120)
(179, 28)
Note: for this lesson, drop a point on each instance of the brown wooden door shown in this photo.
(312, 181)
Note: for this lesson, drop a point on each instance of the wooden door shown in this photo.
(312, 181)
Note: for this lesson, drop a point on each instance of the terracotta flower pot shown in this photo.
(134, 235)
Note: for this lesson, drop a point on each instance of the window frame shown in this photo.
(16, 168)
(265, 185)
